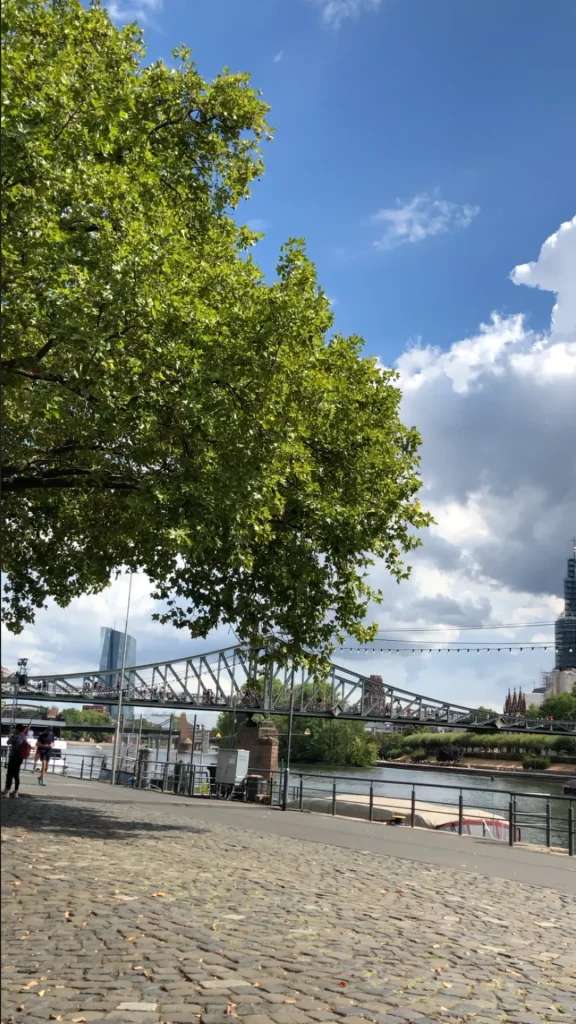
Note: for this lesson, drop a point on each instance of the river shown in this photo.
(490, 792)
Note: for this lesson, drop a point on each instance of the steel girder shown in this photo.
(241, 678)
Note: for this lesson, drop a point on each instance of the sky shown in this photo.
(425, 149)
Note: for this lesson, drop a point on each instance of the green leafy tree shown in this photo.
(165, 408)
(562, 707)
(74, 716)
(314, 739)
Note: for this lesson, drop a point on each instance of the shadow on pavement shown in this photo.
(61, 816)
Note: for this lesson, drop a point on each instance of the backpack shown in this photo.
(20, 747)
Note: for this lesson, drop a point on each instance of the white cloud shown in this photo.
(496, 412)
(278, 57)
(334, 12)
(419, 218)
(133, 10)
(555, 271)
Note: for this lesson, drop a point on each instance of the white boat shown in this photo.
(476, 821)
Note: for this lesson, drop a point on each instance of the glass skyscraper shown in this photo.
(565, 629)
(111, 657)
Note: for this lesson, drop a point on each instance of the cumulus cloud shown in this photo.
(421, 217)
(334, 12)
(133, 10)
(496, 411)
(555, 271)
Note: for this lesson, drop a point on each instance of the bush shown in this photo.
(535, 762)
(449, 752)
(418, 754)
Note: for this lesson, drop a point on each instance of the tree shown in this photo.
(167, 410)
(74, 716)
(561, 707)
(314, 739)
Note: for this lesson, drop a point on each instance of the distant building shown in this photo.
(562, 678)
(565, 628)
(553, 684)
(111, 660)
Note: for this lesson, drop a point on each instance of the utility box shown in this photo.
(232, 767)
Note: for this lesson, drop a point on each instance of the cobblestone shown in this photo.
(117, 911)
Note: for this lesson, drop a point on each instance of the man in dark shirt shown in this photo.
(18, 750)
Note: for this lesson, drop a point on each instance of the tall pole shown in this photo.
(139, 741)
(193, 741)
(19, 680)
(289, 751)
(169, 740)
(117, 733)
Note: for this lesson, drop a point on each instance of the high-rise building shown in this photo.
(562, 678)
(565, 628)
(111, 659)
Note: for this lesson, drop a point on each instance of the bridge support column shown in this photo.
(262, 743)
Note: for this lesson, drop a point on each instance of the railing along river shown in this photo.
(534, 818)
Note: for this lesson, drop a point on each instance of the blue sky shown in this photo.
(469, 103)
(425, 149)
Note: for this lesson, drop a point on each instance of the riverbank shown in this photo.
(476, 766)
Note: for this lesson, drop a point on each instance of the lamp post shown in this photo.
(289, 750)
(117, 733)
(19, 680)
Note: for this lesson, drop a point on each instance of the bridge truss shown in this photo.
(249, 680)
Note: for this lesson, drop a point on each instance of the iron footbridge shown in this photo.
(245, 679)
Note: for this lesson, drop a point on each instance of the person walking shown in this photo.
(18, 750)
(43, 751)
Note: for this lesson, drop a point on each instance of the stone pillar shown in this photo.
(262, 742)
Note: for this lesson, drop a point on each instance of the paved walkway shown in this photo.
(127, 907)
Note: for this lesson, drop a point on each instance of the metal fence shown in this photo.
(510, 816)
(170, 777)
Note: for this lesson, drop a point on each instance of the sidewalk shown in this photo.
(127, 906)
(465, 853)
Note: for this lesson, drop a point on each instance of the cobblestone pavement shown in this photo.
(144, 912)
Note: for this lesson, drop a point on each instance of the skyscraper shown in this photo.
(111, 658)
(565, 628)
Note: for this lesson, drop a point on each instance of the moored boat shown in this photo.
(476, 821)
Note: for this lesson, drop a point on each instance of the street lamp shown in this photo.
(119, 708)
(289, 751)
(19, 681)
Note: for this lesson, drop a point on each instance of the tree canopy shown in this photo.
(167, 409)
(561, 706)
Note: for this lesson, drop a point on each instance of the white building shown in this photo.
(553, 683)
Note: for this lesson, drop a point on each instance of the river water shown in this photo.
(489, 792)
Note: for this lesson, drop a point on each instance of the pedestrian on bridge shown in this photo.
(19, 749)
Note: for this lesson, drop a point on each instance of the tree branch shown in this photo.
(65, 479)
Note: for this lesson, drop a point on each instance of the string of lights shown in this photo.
(448, 629)
(456, 649)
